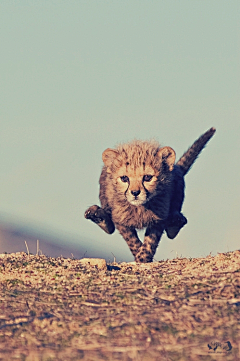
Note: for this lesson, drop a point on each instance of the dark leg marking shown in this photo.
(131, 237)
(149, 246)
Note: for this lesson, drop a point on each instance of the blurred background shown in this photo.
(78, 77)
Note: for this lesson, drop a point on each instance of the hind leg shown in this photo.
(174, 223)
(176, 219)
(101, 218)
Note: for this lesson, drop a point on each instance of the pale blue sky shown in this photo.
(78, 77)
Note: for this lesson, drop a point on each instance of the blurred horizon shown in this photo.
(20, 236)
(79, 77)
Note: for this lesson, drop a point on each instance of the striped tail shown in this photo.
(189, 157)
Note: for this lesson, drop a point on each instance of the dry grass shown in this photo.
(60, 309)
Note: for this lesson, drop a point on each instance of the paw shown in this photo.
(93, 213)
(174, 223)
(101, 218)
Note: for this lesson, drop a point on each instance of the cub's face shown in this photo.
(137, 185)
(137, 169)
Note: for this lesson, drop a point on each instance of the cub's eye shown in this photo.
(147, 178)
(124, 179)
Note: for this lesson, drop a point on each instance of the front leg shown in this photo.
(152, 237)
(101, 218)
(131, 237)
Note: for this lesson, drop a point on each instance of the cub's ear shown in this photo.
(167, 155)
(108, 156)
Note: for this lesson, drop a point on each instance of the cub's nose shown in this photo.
(135, 193)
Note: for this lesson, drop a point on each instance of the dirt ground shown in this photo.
(62, 309)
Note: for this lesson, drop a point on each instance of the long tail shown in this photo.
(189, 157)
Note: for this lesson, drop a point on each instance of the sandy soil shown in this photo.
(64, 309)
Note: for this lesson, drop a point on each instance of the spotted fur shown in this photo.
(142, 187)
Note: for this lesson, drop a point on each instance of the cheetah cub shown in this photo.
(142, 187)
